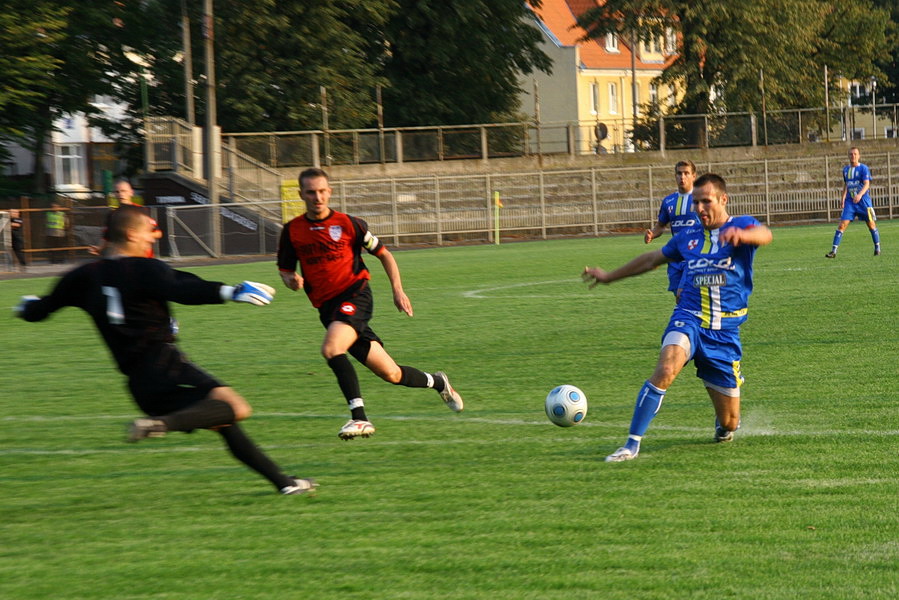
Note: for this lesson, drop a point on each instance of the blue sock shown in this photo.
(837, 238)
(649, 400)
(875, 235)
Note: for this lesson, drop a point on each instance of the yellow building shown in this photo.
(595, 84)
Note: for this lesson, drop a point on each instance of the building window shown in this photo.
(654, 95)
(594, 93)
(69, 164)
(670, 42)
(636, 90)
(611, 42)
(613, 98)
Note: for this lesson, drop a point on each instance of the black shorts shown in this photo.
(354, 307)
(166, 381)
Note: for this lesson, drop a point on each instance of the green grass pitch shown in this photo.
(494, 503)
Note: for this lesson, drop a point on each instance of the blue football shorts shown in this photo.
(716, 353)
(863, 210)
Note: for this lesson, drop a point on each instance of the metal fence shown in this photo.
(400, 145)
(453, 209)
(440, 210)
(173, 145)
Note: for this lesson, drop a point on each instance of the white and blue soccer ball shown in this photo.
(566, 405)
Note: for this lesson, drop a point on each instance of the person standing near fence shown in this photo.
(328, 247)
(57, 226)
(18, 237)
(677, 212)
(856, 202)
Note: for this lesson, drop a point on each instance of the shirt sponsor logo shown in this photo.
(684, 223)
(347, 308)
(702, 263)
(335, 231)
(710, 280)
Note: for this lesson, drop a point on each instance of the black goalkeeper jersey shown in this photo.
(128, 300)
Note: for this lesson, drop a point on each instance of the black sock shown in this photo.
(244, 450)
(204, 414)
(414, 378)
(349, 383)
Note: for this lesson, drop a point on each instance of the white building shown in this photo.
(78, 159)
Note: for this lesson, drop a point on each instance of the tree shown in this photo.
(458, 62)
(724, 46)
(73, 56)
(279, 55)
(28, 33)
(889, 62)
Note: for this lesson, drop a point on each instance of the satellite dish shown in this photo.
(602, 132)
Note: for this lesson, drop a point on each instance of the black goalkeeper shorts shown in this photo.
(166, 381)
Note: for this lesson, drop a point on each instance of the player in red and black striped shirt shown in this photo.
(328, 247)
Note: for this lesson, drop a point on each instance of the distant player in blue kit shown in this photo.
(856, 202)
(704, 326)
(676, 211)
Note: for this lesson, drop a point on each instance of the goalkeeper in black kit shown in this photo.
(127, 296)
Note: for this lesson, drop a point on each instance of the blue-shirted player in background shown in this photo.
(856, 202)
(704, 326)
(676, 211)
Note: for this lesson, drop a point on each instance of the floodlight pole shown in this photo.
(188, 64)
(209, 156)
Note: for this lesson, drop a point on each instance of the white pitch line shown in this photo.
(480, 293)
(620, 428)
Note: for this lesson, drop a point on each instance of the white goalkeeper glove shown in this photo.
(19, 309)
(249, 291)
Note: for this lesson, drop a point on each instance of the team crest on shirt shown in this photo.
(692, 244)
(335, 231)
(347, 308)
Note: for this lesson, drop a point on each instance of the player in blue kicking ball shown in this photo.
(704, 326)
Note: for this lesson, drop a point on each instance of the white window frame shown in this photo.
(653, 95)
(70, 164)
(613, 98)
(670, 41)
(612, 42)
(594, 97)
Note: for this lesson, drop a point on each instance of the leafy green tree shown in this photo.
(725, 45)
(273, 59)
(29, 31)
(458, 62)
(70, 66)
(889, 62)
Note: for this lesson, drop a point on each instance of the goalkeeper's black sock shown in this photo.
(244, 450)
(205, 414)
(349, 385)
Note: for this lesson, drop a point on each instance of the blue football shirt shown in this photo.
(717, 278)
(855, 178)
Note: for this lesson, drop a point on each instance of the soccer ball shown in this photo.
(566, 406)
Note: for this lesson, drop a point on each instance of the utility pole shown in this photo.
(634, 87)
(188, 64)
(209, 157)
